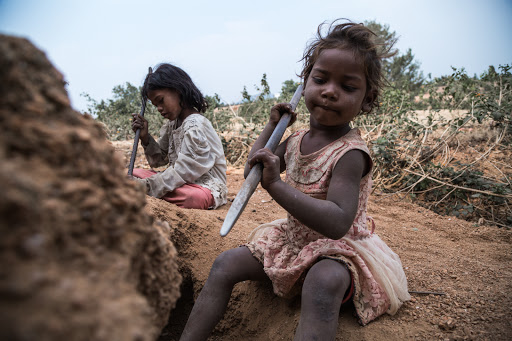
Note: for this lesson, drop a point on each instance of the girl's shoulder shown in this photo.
(354, 137)
(196, 120)
(352, 140)
(296, 137)
(298, 133)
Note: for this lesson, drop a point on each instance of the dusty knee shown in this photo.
(327, 280)
(223, 263)
(233, 266)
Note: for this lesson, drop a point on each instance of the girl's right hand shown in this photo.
(141, 123)
(278, 110)
(271, 166)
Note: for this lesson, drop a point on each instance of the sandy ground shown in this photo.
(466, 265)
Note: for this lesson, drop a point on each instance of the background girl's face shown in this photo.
(335, 89)
(167, 101)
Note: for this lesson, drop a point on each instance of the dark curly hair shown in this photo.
(359, 39)
(168, 76)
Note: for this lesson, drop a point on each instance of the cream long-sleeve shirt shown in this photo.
(194, 154)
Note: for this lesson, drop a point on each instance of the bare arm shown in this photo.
(332, 217)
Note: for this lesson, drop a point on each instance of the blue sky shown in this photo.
(226, 45)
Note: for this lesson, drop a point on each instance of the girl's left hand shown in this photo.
(278, 110)
(271, 166)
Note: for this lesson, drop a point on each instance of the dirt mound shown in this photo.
(81, 259)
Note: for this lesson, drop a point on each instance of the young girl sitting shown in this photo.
(196, 177)
(327, 244)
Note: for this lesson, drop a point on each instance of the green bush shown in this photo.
(116, 113)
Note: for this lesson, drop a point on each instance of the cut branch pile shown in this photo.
(450, 168)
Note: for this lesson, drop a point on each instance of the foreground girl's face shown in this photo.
(167, 102)
(336, 88)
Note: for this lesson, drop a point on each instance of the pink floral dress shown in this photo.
(287, 248)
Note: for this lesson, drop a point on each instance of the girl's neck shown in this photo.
(186, 112)
(327, 132)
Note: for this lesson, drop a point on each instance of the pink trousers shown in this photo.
(186, 196)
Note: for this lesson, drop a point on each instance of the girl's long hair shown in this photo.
(168, 76)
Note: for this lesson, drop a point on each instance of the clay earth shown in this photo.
(468, 265)
(81, 258)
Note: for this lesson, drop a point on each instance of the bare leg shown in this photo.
(230, 267)
(322, 293)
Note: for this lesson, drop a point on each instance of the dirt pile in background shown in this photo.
(81, 259)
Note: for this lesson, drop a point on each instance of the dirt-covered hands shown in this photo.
(271, 166)
(140, 181)
(276, 113)
(278, 110)
(141, 123)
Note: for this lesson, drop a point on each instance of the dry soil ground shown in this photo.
(466, 264)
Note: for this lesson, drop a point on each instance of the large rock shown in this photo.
(81, 259)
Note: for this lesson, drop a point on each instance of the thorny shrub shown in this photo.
(434, 160)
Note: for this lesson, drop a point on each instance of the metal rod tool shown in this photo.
(254, 177)
(137, 134)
